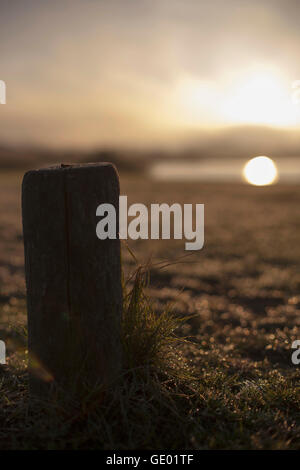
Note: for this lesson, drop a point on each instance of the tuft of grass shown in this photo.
(148, 338)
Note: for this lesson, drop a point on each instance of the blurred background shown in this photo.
(143, 81)
(181, 96)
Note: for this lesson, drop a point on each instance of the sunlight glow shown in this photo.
(260, 171)
(258, 96)
(197, 100)
(261, 98)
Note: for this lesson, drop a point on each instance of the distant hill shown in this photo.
(233, 142)
(244, 141)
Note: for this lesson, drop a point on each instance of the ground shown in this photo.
(243, 291)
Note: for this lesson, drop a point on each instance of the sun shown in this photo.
(260, 98)
(260, 171)
(255, 96)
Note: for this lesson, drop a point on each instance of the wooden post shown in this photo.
(73, 279)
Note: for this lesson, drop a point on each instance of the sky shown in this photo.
(82, 73)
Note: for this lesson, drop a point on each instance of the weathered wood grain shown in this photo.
(73, 279)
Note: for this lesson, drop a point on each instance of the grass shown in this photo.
(147, 337)
(231, 385)
(155, 375)
(161, 400)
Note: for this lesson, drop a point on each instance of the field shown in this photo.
(240, 389)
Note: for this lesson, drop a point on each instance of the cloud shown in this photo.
(111, 68)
